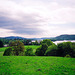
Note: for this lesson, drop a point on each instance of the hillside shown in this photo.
(14, 37)
(65, 37)
(60, 37)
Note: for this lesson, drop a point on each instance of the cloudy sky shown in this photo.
(37, 18)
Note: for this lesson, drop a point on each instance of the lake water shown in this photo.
(56, 42)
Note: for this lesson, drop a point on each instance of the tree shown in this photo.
(1, 43)
(47, 41)
(29, 51)
(17, 48)
(73, 48)
(8, 52)
(51, 51)
(36, 43)
(65, 48)
(27, 42)
(40, 51)
(60, 49)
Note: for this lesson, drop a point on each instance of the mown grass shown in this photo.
(34, 65)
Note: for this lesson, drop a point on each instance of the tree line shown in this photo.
(46, 48)
(24, 41)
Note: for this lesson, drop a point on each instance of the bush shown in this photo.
(60, 49)
(40, 51)
(51, 51)
(29, 51)
(65, 48)
(73, 48)
(68, 56)
(17, 48)
(8, 52)
(47, 41)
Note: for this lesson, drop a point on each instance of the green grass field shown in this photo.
(2, 50)
(35, 65)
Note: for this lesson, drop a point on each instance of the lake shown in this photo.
(56, 42)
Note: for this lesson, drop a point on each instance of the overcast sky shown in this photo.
(37, 18)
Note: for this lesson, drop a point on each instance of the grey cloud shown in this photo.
(27, 26)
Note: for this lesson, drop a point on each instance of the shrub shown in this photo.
(47, 41)
(8, 52)
(65, 48)
(29, 51)
(40, 51)
(68, 56)
(73, 48)
(51, 51)
(17, 48)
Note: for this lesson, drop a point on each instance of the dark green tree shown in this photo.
(29, 51)
(47, 41)
(40, 51)
(17, 48)
(60, 49)
(73, 48)
(65, 48)
(8, 52)
(1, 43)
(51, 51)
(36, 43)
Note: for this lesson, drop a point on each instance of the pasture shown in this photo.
(35, 65)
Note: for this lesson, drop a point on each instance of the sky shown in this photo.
(37, 18)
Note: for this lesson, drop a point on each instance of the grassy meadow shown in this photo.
(35, 65)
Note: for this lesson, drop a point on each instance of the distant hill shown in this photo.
(61, 37)
(14, 37)
(65, 37)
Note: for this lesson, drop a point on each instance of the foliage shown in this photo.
(65, 48)
(34, 47)
(27, 42)
(73, 48)
(17, 48)
(40, 51)
(1, 43)
(8, 52)
(47, 41)
(62, 49)
(29, 51)
(68, 56)
(51, 51)
(35, 43)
